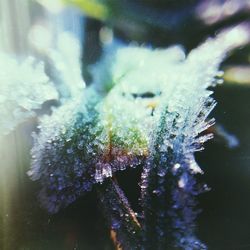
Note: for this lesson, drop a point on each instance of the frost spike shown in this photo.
(168, 185)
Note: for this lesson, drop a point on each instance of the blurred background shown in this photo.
(31, 27)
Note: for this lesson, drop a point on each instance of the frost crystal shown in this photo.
(24, 87)
(168, 184)
(65, 150)
(150, 109)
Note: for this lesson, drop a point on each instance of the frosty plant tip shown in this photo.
(145, 107)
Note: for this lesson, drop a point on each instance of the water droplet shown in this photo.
(69, 150)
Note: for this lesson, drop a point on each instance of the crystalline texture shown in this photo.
(24, 87)
(65, 67)
(61, 58)
(65, 150)
(127, 111)
(169, 185)
(154, 106)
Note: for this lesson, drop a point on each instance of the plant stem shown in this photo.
(125, 228)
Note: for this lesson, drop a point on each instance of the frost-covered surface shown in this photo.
(121, 62)
(24, 87)
(64, 151)
(65, 67)
(169, 186)
(87, 139)
(150, 110)
(80, 144)
(62, 59)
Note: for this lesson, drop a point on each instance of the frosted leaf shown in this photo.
(145, 113)
(119, 61)
(66, 59)
(144, 82)
(171, 165)
(24, 87)
(127, 111)
(65, 150)
(75, 149)
(62, 61)
(89, 148)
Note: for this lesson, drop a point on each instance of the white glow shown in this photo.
(40, 37)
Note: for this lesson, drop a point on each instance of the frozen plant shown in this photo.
(145, 107)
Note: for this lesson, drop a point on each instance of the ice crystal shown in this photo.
(145, 107)
(80, 144)
(24, 87)
(169, 186)
(65, 150)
